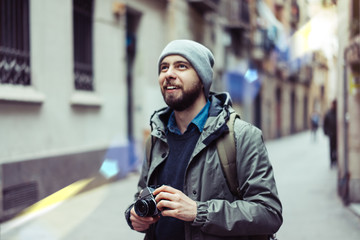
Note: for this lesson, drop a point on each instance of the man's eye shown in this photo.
(182, 66)
(163, 68)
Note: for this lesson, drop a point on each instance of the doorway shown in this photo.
(132, 22)
(278, 112)
(292, 112)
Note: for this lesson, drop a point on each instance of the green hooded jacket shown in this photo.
(220, 214)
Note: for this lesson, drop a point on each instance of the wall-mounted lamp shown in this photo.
(118, 9)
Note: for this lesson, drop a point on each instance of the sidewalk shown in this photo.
(306, 184)
(307, 188)
(93, 215)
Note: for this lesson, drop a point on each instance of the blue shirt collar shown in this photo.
(198, 122)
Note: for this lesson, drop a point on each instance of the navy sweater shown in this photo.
(172, 173)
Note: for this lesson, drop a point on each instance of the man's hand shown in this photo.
(141, 223)
(174, 203)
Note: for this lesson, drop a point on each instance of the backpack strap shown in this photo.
(227, 153)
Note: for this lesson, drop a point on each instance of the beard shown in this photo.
(186, 99)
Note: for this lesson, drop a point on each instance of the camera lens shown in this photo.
(145, 208)
(141, 208)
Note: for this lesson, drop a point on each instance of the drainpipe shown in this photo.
(346, 177)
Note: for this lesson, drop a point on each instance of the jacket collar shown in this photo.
(215, 125)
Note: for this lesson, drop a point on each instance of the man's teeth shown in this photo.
(171, 87)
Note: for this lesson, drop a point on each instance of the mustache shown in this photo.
(172, 85)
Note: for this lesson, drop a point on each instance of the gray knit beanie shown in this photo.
(200, 57)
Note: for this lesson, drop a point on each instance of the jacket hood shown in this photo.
(219, 113)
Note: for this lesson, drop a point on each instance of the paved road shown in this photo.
(307, 187)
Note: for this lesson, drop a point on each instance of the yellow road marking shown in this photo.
(57, 197)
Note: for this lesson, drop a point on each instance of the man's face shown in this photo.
(179, 83)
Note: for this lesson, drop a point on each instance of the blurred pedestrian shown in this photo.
(330, 129)
(314, 121)
(194, 198)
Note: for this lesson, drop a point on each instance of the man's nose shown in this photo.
(170, 73)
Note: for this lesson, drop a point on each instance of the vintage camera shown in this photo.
(145, 206)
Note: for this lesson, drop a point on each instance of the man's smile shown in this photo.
(171, 87)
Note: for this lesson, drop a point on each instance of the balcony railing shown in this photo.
(14, 42)
(204, 5)
(14, 67)
(237, 14)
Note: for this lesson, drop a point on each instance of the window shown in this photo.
(83, 22)
(355, 19)
(14, 43)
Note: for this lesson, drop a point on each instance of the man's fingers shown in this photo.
(141, 223)
(165, 204)
(165, 188)
(174, 203)
(165, 196)
(141, 219)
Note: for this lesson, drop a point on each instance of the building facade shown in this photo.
(65, 68)
(348, 101)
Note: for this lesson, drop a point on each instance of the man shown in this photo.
(314, 120)
(194, 198)
(330, 129)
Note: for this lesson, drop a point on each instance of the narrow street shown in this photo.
(307, 188)
(306, 184)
